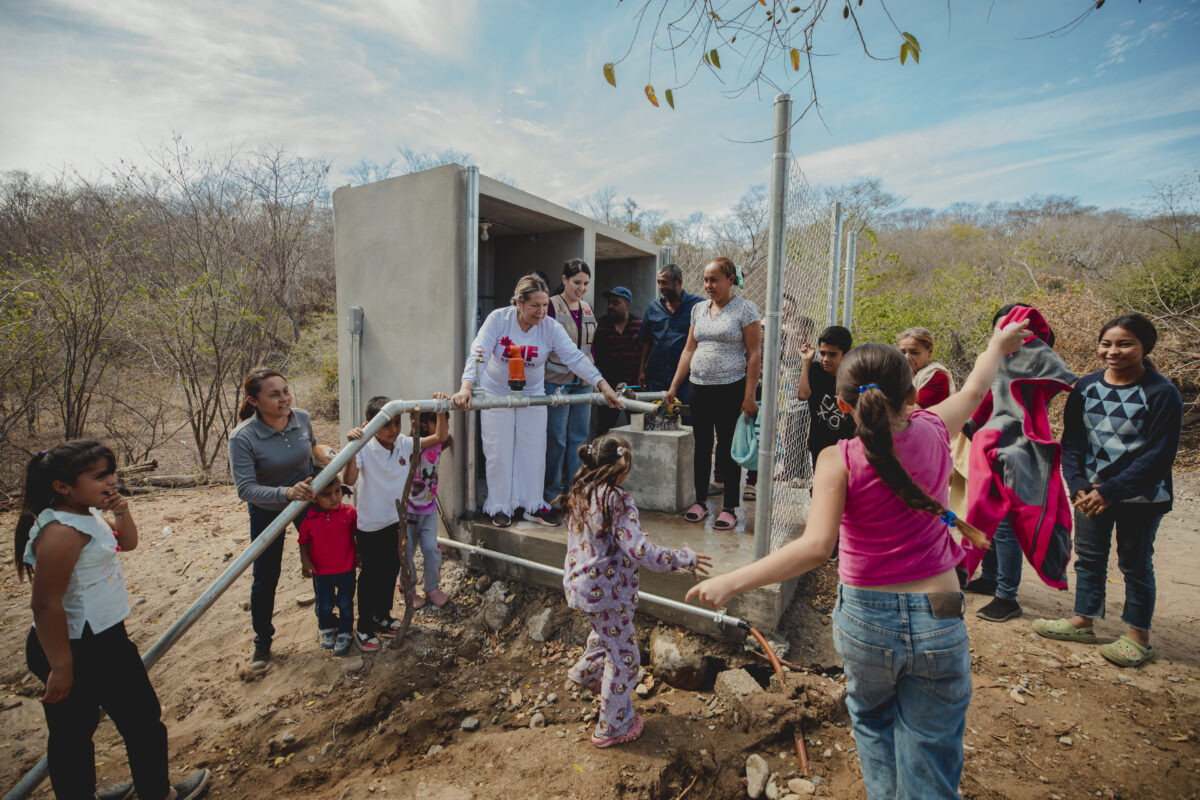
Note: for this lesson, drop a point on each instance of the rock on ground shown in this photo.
(734, 683)
(756, 775)
(678, 660)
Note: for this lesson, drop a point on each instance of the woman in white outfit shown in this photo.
(514, 439)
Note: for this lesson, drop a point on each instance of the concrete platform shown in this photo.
(762, 608)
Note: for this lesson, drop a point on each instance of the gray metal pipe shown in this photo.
(718, 617)
(835, 252)
(848, 301)
(470, 319)
(273, 531)
(768, 409)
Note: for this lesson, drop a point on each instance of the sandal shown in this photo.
(1063, 630)
(1125, 652)
(696, 513)
(635, 730)
(725, 521)
(750, 493)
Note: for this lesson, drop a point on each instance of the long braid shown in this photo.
(876, 380)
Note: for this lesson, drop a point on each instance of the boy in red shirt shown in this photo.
(327, 556)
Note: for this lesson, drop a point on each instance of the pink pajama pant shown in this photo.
(609, 664)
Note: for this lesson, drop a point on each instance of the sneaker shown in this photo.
(1000, 610)
(388, 627)
(261, 657)
(342, 645)
(118, 791)
(438, 597)
(985, 586)
(325, 637)
(193, 786)
(547, 516)
(367, 642)
(635, 730)
(501, 520)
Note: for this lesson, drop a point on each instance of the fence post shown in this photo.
(767, 411)
(835, 252)
(848, 301)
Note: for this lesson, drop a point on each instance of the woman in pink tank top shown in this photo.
(898, 621)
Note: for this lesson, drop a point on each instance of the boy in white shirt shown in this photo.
(379, 471)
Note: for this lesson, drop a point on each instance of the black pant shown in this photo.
(266, 575)
(716, 408)
(380, 554)
(606, 419)
(109, 674)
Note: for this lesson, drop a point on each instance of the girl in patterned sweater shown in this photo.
(1120, 433)
(605, 547)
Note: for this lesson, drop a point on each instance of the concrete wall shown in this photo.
(521, 254)
(399, 247)
(636, 274)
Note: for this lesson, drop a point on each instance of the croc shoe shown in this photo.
(1125, 652)
(1063, 630)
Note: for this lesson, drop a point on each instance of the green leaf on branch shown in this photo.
(670, 95)
(903, 53)
(610, 73)
(714, 58)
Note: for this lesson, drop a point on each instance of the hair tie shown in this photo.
(591, 450)
(621, 451)
(948, 518)
(866, 386)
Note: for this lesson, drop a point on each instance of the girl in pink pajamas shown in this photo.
(605, 547)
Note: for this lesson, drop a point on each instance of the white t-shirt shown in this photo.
(720, 355)
(501, 329)
(381, 477)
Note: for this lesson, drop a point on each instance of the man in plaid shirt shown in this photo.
(617, 350)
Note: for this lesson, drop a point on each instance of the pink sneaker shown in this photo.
(635, 730)
(437, 597)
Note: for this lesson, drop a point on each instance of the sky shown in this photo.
(988, 114)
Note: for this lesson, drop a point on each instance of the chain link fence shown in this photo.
(806, 289)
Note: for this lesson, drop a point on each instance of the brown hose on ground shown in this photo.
(801, 752)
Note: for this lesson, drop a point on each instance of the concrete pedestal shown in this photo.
(661, 478)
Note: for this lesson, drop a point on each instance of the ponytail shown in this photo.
(602, 466)
(876, 381)
(65, 462)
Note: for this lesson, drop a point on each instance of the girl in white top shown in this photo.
(514, 439)
(78, 645)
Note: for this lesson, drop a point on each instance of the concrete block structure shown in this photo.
(411, 253)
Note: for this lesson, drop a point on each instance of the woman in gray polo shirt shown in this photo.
(723, 357)
(271, 456)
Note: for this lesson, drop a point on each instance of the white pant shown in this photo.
(514, 447)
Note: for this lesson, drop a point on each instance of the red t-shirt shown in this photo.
(330, 538)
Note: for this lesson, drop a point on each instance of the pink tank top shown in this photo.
(882, 540)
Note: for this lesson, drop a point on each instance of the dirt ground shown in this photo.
(1048, 719)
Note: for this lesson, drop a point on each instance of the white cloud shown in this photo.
(940, 163)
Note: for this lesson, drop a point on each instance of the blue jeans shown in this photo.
(266, 575)
(1136, 530)
(423, 530)
(908, 686)
(1006, 569)
(335, 590)
(566, 429)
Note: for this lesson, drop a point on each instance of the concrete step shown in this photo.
(729, 550)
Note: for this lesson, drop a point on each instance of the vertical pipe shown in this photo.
(355, 324)
(835, 252)
(767, 410)
(470, 319)
(848, 301)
